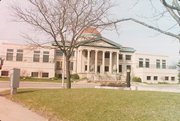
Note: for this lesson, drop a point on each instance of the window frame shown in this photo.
(36, 56)
(163, 64)
(148, 78)
(9, 54)
(45, 56)
(44, 73)
(19, 55)
(34, 73)
(155, 78)
(147, 63)
(141, 62)
(120, 56)
(166, 78)
(128, 57)
(158, 63)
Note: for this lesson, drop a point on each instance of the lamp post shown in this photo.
(128, 77)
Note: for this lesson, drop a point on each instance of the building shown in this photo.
(154, 68)
(34, 62)
(97, 58)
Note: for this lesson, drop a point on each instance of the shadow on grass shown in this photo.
(7, 92)
(27, 91)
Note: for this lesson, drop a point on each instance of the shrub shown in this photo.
(163, 83)
(136, 79)
(25, 78)
(113, 84)
(58, 76)
(74, 76)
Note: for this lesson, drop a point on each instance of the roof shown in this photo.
(100, 38)
(91, 31)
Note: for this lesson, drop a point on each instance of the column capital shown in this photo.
(96, 50)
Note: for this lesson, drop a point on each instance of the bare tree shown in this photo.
(173, 8)
(64, 20)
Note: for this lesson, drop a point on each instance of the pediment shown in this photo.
(100, 43)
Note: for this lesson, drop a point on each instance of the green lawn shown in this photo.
(102, 105)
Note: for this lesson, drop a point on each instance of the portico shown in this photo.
(99, 61)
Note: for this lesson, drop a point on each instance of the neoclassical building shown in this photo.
(97, 58)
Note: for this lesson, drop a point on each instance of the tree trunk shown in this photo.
(68, 74)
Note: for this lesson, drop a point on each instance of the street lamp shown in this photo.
(128, 77)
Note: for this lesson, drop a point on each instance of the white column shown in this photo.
(75, 62)
(80, 53)
(110, 61)
(63, 70)
(117, 61)
(88, 60)
(96, 53)
(103, 61)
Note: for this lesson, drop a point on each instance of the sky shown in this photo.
(130, 34)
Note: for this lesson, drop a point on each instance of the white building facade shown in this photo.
(96, 58)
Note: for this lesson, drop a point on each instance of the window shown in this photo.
(19, 55)
(107, 54)
(128, 67)
(59, 65)
(120, 68)
(128, 57)
(147, 63)
(158, 63)
(164, 64)
(36, 57)
(155, 77)
(120, 56)
(34, 74)
(59, 53)
(148, 77)
(166, 78)
(140, 62)
(46, 56)
(85, 67)
(4, 73)
(71, 65)
(106, 68)
(9, 55)
(172, 78)
(45, 75)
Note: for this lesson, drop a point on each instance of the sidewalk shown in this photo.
(11, 111)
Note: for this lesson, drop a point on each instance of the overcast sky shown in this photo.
(130, 34)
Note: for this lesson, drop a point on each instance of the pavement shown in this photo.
(11, 111)
(161, 88)
(47, 85)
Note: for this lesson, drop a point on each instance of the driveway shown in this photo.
(47, 85)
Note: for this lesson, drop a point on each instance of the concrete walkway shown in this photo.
(11, 111)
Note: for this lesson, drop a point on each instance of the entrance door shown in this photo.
(98, 69)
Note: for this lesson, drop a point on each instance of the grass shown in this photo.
(101, 105)
(4, 78)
